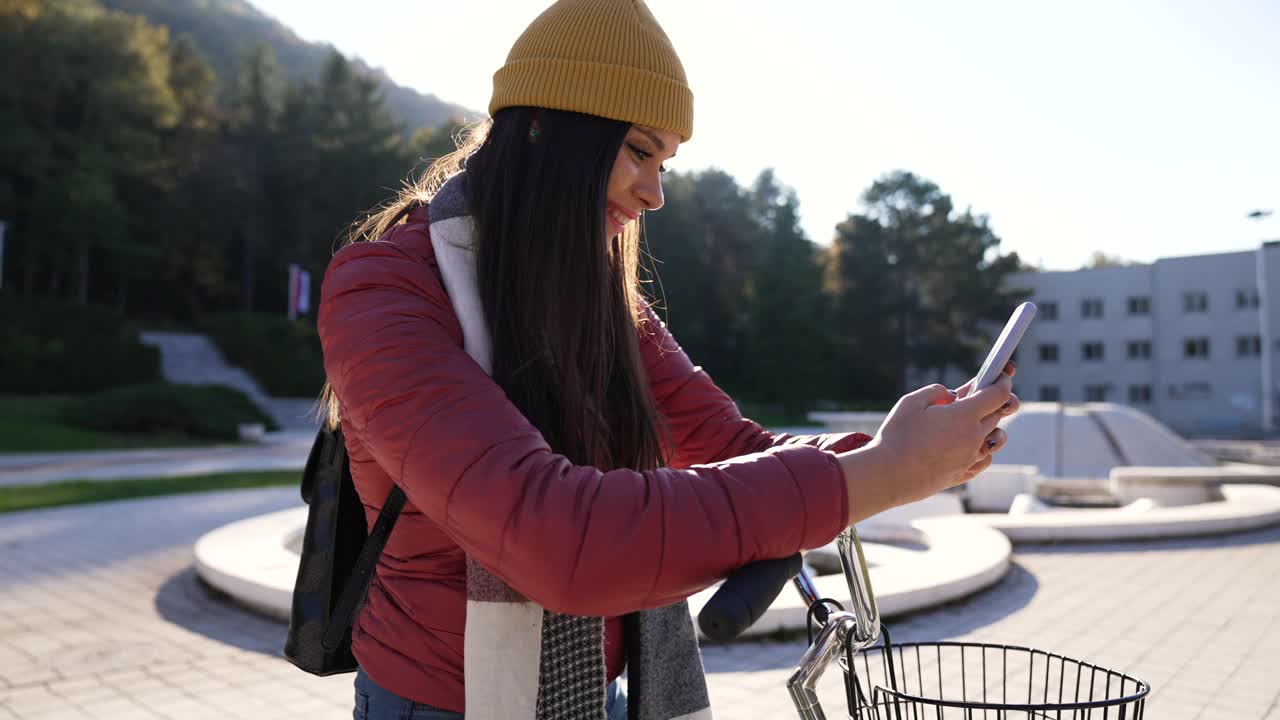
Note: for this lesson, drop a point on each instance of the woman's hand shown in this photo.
(1001, 437)
(933, 439)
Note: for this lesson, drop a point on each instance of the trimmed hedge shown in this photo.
(283, 355)
(204, 411)
(52, 347)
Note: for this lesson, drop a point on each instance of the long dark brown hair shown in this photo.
(562, 303)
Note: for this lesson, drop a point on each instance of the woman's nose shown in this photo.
(649, 191)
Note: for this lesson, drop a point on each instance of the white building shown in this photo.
(1194, 341)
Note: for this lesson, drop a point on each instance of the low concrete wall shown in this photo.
(995, 489)
(252, 560)
(997, 486)
(1174, 486)
(255, 561)
(1243, 507)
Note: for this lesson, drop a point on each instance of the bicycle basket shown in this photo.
(946, 680)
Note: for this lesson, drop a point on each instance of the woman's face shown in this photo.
(635, 182)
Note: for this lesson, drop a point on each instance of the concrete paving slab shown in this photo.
(1199, 614)
(283, 452)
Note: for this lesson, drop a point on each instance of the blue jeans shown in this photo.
(375, 703)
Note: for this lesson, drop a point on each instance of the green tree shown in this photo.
(1100, 259)
(790, 347)
(251, 137)
(120, 159)
(941, 286)
(340, 153)
(428, 143)
(182, 216)
(707, 244)
(673, 261)
(859, 282)
(82, 117)
(359, 147)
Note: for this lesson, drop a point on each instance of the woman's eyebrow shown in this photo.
(654, 137)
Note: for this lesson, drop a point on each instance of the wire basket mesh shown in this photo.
(945, 680)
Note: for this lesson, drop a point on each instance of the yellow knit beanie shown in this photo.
(600, 57)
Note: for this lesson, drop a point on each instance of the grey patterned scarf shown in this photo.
(519, 660)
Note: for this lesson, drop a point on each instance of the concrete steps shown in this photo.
(193, 359)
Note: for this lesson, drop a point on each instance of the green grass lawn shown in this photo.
(29, 424)
(75, 492)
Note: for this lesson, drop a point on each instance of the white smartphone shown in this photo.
(1008, 341)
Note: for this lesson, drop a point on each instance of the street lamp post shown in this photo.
(1264, 332)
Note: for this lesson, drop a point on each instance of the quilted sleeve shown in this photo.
(572, 538)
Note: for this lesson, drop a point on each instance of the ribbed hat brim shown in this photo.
(617, 92)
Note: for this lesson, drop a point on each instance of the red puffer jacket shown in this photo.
(481, 480)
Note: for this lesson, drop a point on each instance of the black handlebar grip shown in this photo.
(744, 596)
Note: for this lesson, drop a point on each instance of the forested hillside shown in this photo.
(224, 30)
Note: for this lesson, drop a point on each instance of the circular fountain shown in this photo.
(1096, 471)
(1104, 471)
(921, 555)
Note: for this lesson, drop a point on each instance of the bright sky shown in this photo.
(1143, 128)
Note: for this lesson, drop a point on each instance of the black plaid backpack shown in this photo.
(339, 553)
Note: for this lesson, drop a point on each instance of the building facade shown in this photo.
(1193, 341)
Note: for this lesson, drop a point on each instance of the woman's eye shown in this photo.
(643, 155)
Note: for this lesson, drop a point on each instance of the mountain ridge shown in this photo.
(224, 30)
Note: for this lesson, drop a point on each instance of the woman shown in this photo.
(571, 476)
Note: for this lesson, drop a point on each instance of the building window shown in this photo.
(1050, 393)
(1249, 346)
(1195, 302)
(1246, 299)
(1140, 394)
(1195, 347)
(1096, 393)
(1049, 353)
(1139, 349)
(1091, 351)
(1047, 310)
(1091, 307)
(1140, 305)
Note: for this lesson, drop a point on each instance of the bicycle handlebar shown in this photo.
(744, 596)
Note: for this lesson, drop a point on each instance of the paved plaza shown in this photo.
(101, 616)
(284, 451)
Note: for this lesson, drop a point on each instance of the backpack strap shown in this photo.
(357, 585)
(362, 572)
